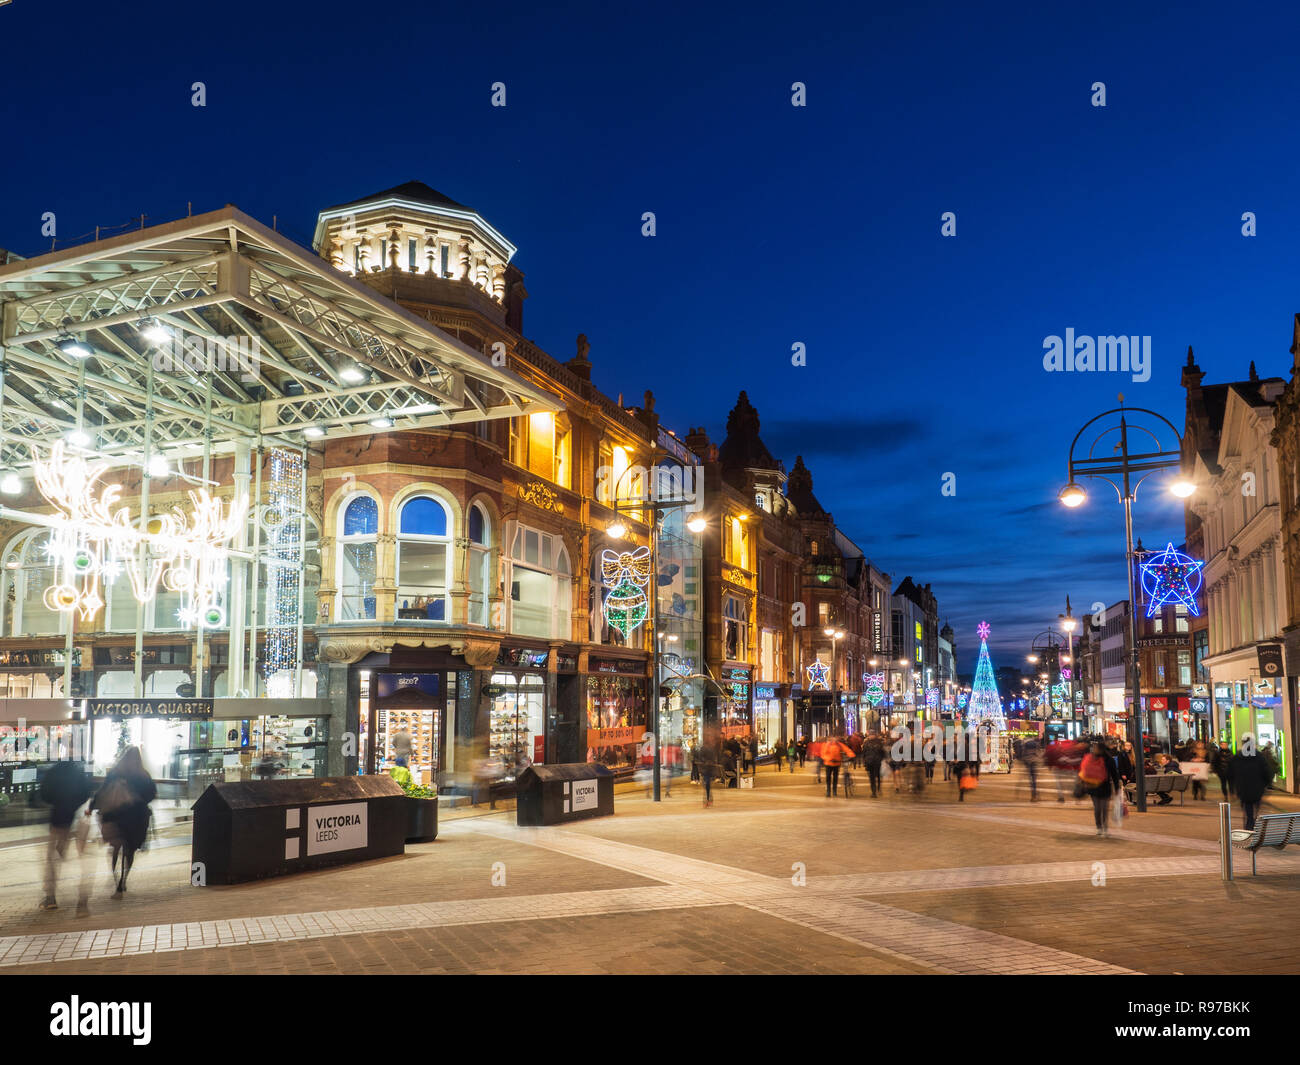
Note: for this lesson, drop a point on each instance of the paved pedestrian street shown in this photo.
(779, 879)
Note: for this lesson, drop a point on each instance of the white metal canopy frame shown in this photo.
(302, 350)
(209, 335)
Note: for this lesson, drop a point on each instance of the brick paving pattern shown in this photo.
(775, 880)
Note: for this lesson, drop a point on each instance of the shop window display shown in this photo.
(199, 753)
(517, 721)
(615, 703)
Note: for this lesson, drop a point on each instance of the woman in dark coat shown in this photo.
(1250, 777)
(123, 805)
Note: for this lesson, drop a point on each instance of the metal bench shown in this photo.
(1181, 782)
(1156, 784)
(1272, 830)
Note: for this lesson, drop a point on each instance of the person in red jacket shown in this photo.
(834, 751)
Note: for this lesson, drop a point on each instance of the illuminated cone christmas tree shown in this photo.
(985, 706)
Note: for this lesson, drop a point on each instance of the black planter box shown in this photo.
(422, 823)
(247, 831)
(558, 794)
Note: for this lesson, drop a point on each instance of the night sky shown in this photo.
(776, 224)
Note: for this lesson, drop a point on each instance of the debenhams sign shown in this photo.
(177, 709)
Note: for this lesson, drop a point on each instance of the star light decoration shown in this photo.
(1171, 577)
(817, 675)
(93, 539)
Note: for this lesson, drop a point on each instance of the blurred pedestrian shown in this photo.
(833, 752)
(123, 804)
(791, 754)
(1100, 778)
(1197, 766)
(873, 754)
(1031, 757)
(706, 763)
(402, 746)
(1250, 777)
(65, 788)
(777, 752)
(1220, 766)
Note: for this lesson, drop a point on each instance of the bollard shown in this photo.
(1225, 839)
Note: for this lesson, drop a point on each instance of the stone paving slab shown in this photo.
(715, 940)
(988, 886)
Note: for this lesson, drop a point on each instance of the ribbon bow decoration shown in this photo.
(619, 566)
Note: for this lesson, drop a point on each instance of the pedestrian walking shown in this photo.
(65, 789)
(815, 753)
(833, 752)
(967, 778)
(1031, 758)
(123, 805)
(1100, 778)
(1250, 778)
(1220, 766)
(873, 754)
(802, 748)
(1197, 766)
(706, 764)
(791, 754)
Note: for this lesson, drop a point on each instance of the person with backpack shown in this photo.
(123, 805)
(65, 788)
(791, 753)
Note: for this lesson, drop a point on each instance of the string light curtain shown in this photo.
(283, 522)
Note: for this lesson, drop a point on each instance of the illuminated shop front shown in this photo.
(617, 707)
(519, 713)
(767, 717)
(735, 712)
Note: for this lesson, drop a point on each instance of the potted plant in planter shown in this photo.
(422, 811)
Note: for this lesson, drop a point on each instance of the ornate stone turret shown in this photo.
(415, 230)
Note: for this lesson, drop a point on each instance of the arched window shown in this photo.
(423, 546)
(356, 579)
(480, 559)
(540, 585)
(28, 571)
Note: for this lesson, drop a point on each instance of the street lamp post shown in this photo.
(1068, 623)
(1118, 461)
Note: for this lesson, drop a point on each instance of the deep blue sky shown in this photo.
(775, 224)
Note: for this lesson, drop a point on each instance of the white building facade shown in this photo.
(1245, 591)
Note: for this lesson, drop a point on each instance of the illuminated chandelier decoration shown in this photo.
(818, 675)
(874, 688)
(93, 540)
(1171, 577)
(626, 574)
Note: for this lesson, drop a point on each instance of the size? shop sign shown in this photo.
(341, 827)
